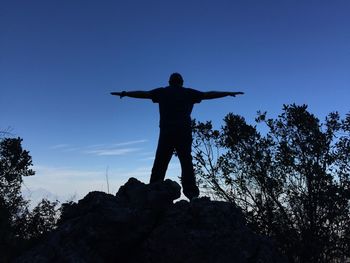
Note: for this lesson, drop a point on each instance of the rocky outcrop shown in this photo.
(143, 224)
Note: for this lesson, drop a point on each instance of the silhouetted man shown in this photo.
(175, 107)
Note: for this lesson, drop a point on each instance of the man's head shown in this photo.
(176, 80)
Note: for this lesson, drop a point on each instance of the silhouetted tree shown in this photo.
(291, 179)
(43, 218)
(7, 240)
(17, 223)
(14, 164)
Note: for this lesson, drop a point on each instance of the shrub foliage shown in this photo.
(291, 178)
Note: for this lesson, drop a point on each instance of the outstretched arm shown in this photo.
(133, 94)
(219, 94)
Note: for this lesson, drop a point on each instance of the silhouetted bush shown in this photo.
(291, 179)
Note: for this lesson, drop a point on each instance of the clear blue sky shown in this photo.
(60, 59)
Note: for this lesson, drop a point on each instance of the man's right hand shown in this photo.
(120, 94)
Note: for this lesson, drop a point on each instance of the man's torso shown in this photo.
(175, 106)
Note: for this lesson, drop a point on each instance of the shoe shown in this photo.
(194, 193)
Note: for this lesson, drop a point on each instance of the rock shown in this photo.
(143, 224)
(157, 195)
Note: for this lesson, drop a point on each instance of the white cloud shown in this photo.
(150, 158)
(114, 149)
(143, 172)
(104, 145)
(64, 172)
(95, 146)
(108, 152)
(147, 153)
(72, 149)
(129, 142)
(59, 146)
(65, 181)
(102, 149)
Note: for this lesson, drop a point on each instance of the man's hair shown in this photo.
(176, 79)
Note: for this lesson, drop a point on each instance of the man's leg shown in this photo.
(163, 155)
(183, 148)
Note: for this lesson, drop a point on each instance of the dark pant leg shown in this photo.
(183, 148)
(164, 152)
